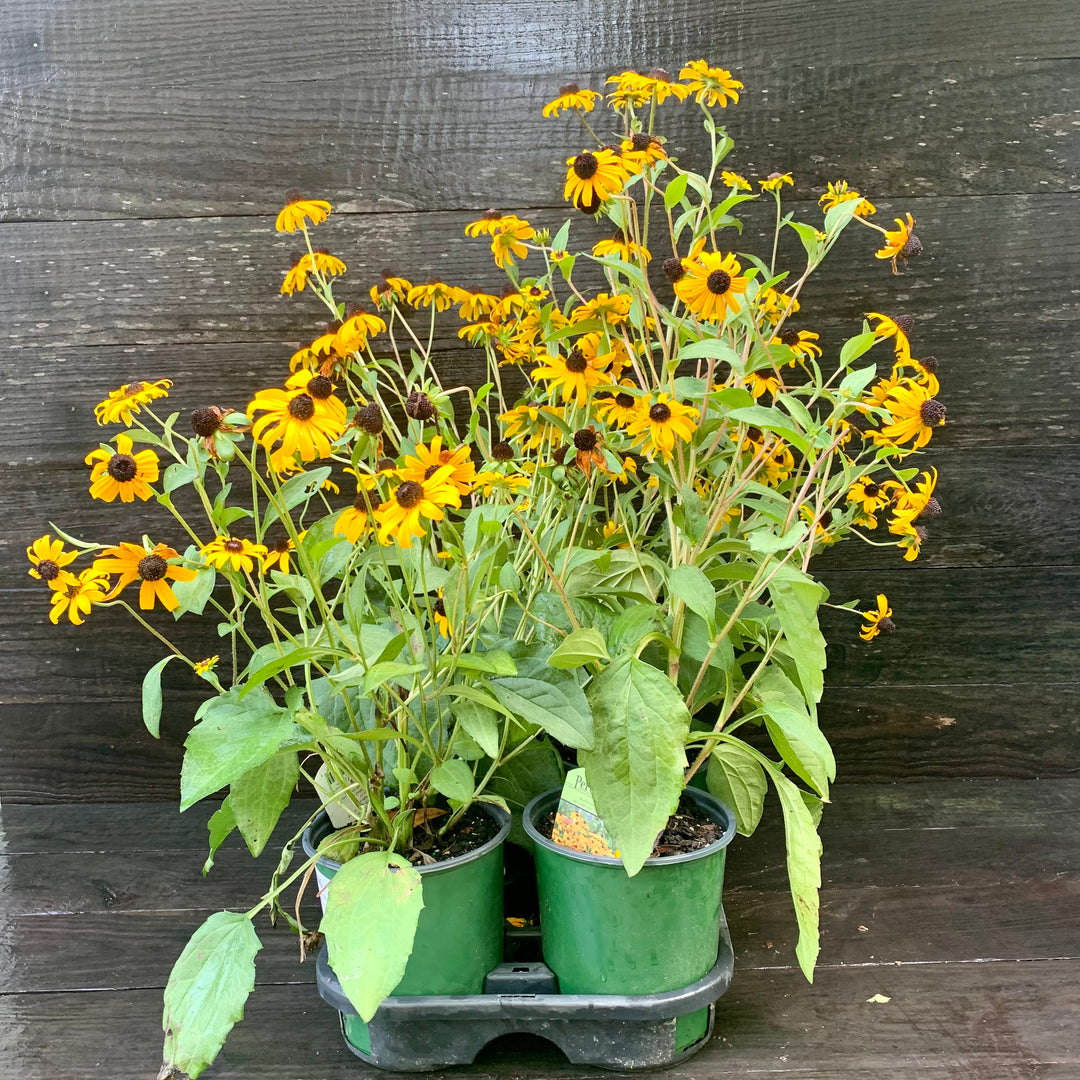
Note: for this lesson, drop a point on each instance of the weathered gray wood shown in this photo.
(389, 139)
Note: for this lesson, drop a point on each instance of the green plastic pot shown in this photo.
(606, 933)
(459, 936)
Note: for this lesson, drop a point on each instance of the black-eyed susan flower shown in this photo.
(358, 326)
(433, 292)
(885, 327)
(920, 501)
(631, 88)
(711, 85)
(123, 473)
(533, 425)
(571, 96)
(119, 406)
(297, 209)
(735, 181)
(900, 243)
(233, 553)
(475, 304)
(878, 621)
(911, 537)
(801, 342)
(297, 274)
(508, 239)
(870, 498)
(48, 558)
(389, 288)
(776, 306)
(438, 610)
(711, 286)
(764, 382)
(775, 181)
(614, 310)
(914, 413)
(150, 567)
(356, 520)
(204, 667)
(616, 408)
(485, 224)
(823, 525)
(659, 423)
(573, 377)
(588, 444)
(640, 150)
(431, 459)
(592, 178)
(491, 482)
(305, 417)
(401, 516)
(622, 247)
(838, 193)
(279, 554)
(74, 596)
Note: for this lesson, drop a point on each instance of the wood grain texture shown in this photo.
(79, 142)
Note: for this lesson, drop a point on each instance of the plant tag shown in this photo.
(577, 825)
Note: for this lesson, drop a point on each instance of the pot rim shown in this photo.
(322, 819)
(718, 811)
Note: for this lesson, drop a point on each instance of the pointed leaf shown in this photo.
(220, 825)
(694, 589)
(579, 647)
(548, 698)
(372, 906)
(480, 723)
(454, 779)
(151, 696)
(635, 770)
(735, 777)
(796, 598)
(207, 989)
(803, 747)
(258, 797)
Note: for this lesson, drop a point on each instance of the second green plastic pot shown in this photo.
(459, 936)
(607, 933)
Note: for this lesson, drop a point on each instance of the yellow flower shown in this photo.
(734, 180)
(48, 558)
(400, 516)
(630, 89)
(305, 417)
(280, 553)
(899, 328)
(507, 240)
(74, 596)
(148, 565)
(822, 531)
(297, 209)
(713, 85)
(120, 404)
(915, 414)
(776, 306)
(431, 292)
(532, 425)
(320, 260)
(489, 481)
(388, 289)
(763, 382)
(204, 667)
(438, 609)
(900, 243)
(430, 459)
(474, 305)
(869, 497)
(354, 332)
(641, 150)
(572, 96)
(592, 178)
(233, 552)
(358, 519)
(616, 408)
(711, 285)
(612, 309)
(485, 224)
(659, 423)
(575, 375)
(800, 342)
(775, 181)
(123, 473)
(623, 248)
(878, 621)
(839, 193)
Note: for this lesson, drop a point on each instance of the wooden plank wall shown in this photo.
(145, 147)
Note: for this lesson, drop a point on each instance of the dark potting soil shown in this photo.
(473, 830)
(688, 829)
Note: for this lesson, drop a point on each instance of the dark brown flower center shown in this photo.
(152, 568)
(409, 494)
(133, 388)
(932, 413)
(576, 362)
(826, 519)
(559, 454)
(320, 387)
(640, 141)
(122, 467)
(660, 413)
(929, 365)
(585, 165)
(589, 204)
(502, 451)
(718, 282)
(430, 471)
(886, 625)
(569, 88)
(48, 570)
(491, 215)
(585, 439)
(282, 545)
(905, 322)
(912, 248)
(673, 270)
(659, 74)
(233, 545)
(932, 508)
(871, 490)
(790, 338)
(369, 419)
(418, 406)
(302, 407)
(363, 501)
(204, 422)
(293, 195)
(624, 401)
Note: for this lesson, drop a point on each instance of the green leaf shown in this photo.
(232, 737)
(854, 347)
(766, 541)
(292, 658)
(839, 217)
(803, 747)
(295, 490)
(258, 797)
(855, 382)
(711, 347)
(548, 698)
(803, 866)
(636, 768)
(372, 905)
(530, 772)
(151, 696)
(176, 476)
(694, 589)
(480, 723)
(735, 777)
(492, 662)
(675, 191)
(381, 673)
(579, 647)
(808, 236)
(220, 825)
(796, 598)
(769, 419)
(194, 595)
(454, 779)
(207, 989)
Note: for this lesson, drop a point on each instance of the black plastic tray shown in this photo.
(612, 1031)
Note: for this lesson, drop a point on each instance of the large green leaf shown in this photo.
(231, 737)
(258, 797)
(207, 989)
(695, 590)
(151, 696)
(480, 723)
(549, 698)
(803, 866)
(796, 598)
(635, 769)
(803, 747)
(372, 906)
(454, 779)
(579, 647)
(735, 777)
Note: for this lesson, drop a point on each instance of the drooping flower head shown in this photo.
(838, 193)
(119, 406)
(878, 621)
(298, 208)
(74, 596)
(571, 96)
(900, 243)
